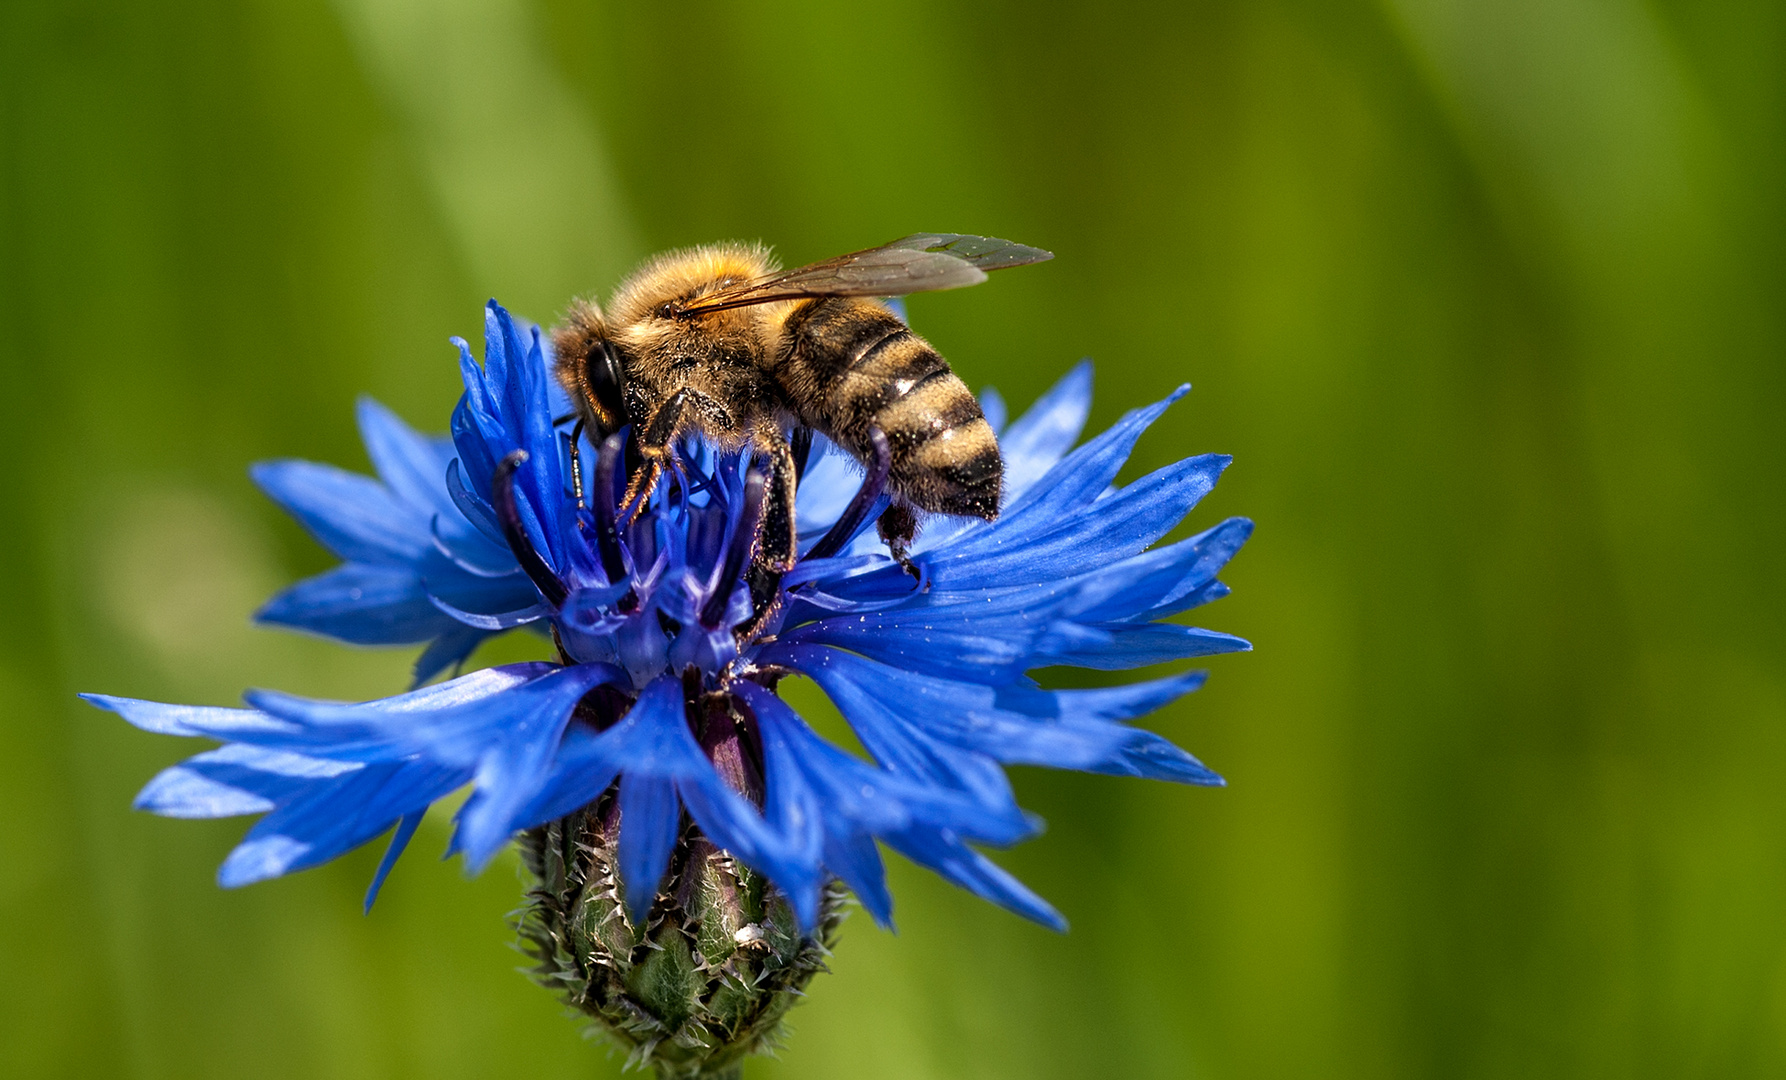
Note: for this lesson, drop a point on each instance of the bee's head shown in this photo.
(588, 367)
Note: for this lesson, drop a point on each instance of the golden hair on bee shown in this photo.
(686, 274)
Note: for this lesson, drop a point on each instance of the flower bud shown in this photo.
(707, 978)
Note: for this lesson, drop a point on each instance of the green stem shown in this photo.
(734, 1071)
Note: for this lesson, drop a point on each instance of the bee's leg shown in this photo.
(843, 530)
(897, 527)
(776, 541)
(653, 440)
(657, 436)
(643, 483)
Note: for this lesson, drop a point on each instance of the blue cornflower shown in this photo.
(656, 700)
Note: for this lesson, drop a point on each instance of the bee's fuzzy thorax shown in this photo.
(686, 273)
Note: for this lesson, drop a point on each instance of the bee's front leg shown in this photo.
(653, 439)
(656, 436)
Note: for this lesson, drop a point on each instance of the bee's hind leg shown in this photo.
(775, 537)
(776, 541)
(897, 526)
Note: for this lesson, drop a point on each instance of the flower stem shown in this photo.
(734, 1071)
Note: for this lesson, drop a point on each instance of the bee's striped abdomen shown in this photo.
(853, 365)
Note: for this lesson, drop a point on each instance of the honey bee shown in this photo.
(715, 339)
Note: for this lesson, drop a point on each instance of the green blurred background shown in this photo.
(1485, 297)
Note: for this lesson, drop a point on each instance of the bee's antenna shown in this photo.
(856, 512)
(577, 465)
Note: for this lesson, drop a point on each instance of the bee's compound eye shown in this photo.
(665, 310)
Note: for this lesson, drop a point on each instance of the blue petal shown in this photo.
(334, 817)
(361, 603)
(459, 723)
(501, 728)
(898, 745)
(468, 479)
(992, 405)
(354, 516)
(496, 621)
(488, 425)
(650, 818)
(965, 867)
(1074, 481)
(454, 592)
(191, 720)
(467, 548)
(1044, 434)
(856, 860)
(821, 799)
(1124, 702)
(338, 731)
(582, 769)
(504, 368)
(1160, 582)
(411, 465)
(400, 838)
(515, 769)
(507, 404)
(653, 739)
(1024, 549)
(234, 780)
(1118, 647)
(790, 805)
(1070, 729)
(473, 503)
(989, 640)
(450, 649)
(1154, 758)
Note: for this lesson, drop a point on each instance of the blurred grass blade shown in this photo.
(515, 161)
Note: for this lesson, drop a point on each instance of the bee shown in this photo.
(715, 339)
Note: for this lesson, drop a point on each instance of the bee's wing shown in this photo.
(982, 252)
(923, 262)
